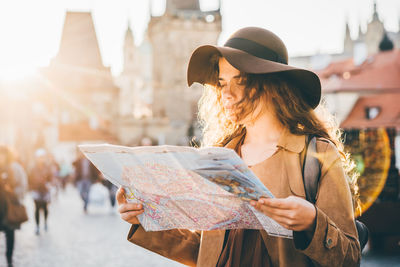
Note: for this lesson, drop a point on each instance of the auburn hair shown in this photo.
(284, 99)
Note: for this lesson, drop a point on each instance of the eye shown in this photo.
(241, 80)
(221, 85)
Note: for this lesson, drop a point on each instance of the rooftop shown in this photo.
(379, 72)
(373, 111)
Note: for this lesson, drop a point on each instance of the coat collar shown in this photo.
(287, 141)
(234, 142)
(291, 142)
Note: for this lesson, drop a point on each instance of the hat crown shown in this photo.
(254, 50)
(260, 43)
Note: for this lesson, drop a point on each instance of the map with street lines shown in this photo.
(185, 187)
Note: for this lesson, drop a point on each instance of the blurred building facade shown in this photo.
(70, 101)
(361, 87)
(76, 100)
(82, 89)
(155, 100)
(135, 81)
(366, 43)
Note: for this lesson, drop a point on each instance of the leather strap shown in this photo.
(311, 169)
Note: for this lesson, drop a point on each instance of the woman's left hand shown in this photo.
(293, 213)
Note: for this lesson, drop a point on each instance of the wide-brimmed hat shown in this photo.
(255, 50)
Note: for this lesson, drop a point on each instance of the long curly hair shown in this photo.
(285, 98)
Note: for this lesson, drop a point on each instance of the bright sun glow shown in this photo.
(17, 72)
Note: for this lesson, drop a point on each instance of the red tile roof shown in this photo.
(389, 115)
(336, 68)
(379, 72)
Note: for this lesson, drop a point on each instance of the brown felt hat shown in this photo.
(255, 50)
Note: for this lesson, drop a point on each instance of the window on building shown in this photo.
(372, 112)
(397, 149)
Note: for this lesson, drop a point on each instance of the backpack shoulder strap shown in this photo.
(311, 176)
(311, 169)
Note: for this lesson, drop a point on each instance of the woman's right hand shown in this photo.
(128, 211)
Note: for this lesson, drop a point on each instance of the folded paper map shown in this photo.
(185, 187)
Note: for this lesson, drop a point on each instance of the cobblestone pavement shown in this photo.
(75, 239)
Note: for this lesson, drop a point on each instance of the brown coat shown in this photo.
(334, 243)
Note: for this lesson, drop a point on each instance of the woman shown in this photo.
(86, 175)
(7, 186)
(40, 178)
(263, 108)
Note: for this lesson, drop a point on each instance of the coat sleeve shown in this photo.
(178, 245)
(335, 239)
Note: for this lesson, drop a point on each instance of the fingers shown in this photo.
(278, 203)
(129, 211)
(282, 216)
(131, 216)
(288, 214)
(279, 215)
(127, 207)
(293, 213)
(120, 196)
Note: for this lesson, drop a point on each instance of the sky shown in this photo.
(30, 30)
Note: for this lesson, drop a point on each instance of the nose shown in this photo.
(226, 97)
(226, 92)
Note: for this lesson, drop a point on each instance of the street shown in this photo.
(77, 239)
(96, 239)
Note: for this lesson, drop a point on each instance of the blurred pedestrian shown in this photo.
(146, 141)
(64, 173)
(40, 179)
(112, 190)
(85, 175)
(55, 182)
(7, 190)
(20, 176)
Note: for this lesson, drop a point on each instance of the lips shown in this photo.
(228, 105)
(229, 111)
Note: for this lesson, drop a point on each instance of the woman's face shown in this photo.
(231, 91)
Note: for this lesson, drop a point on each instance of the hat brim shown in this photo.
(199, 70)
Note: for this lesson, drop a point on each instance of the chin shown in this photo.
(233, 118)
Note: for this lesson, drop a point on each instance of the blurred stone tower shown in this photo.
(83, 86)
(368, 41)
(375, 31)
(78, 71)
(135, 79)
(154, 99)
(348, 42)
(174, 36)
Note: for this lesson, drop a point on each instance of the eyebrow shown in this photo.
(235, 77)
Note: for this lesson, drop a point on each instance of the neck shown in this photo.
(266, 129)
